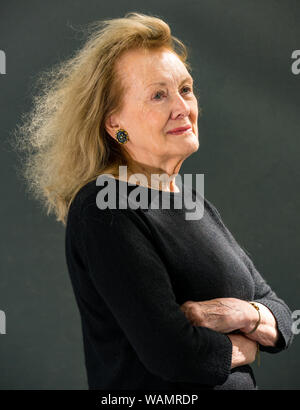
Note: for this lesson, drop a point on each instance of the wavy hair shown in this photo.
(63, 140)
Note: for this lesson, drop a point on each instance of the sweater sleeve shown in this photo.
(266, 296)
(128, 273)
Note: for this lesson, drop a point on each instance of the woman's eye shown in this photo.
(158, 94)
(187, 88)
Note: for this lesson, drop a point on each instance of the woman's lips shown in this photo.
(181, 130)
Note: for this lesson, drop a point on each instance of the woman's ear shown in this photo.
(111, 125)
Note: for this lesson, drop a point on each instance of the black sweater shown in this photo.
(131, 269)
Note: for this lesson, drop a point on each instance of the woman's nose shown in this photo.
(180, 106)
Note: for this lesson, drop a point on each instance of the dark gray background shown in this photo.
(249, 133)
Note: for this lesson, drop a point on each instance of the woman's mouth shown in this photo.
(180, 130)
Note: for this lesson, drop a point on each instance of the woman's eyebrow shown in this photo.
(162, 83)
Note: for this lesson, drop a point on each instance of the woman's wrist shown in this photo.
(252, 318)
(256, 307)
(266, 332)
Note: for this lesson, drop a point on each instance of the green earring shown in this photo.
(122, 136)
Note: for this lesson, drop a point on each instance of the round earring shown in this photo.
(122, 136)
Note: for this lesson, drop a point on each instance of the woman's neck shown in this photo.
(151, 177)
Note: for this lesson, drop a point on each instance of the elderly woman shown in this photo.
(165, 302)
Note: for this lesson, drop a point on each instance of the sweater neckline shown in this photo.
(149, 189)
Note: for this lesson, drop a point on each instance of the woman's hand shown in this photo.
(243, 350)
(226, 315)
(222, 314)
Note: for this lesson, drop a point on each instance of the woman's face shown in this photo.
(159, 98)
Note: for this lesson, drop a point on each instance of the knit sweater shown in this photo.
(131, 269)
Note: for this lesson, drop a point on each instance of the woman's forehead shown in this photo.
(152, 67)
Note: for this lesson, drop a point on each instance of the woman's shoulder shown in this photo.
(84, 197)
(207, 204)
(90, 204)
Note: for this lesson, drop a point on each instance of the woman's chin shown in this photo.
(184, 144)
(187, 147)
(190, 143)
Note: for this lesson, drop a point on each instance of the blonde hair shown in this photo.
(63, 137)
